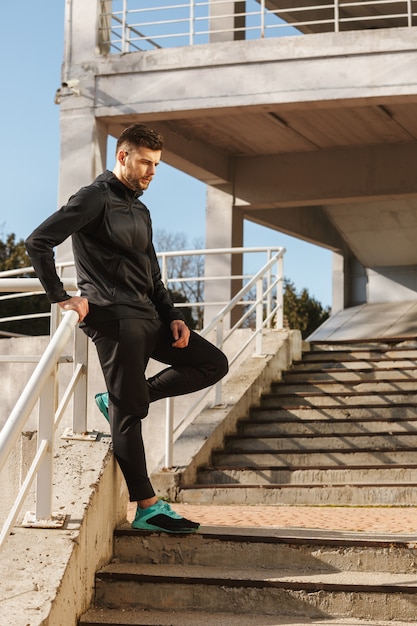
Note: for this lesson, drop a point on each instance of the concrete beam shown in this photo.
(261, 73)
(308, 223)
(328, 176)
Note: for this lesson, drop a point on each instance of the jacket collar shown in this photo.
(117, 185)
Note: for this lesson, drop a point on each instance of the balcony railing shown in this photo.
(137, 25)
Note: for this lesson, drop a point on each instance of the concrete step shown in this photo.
(363, 595)
(310, 476)
(315, 458)
(307, 494)
(340, 441)
(349, 376)
(348, 398)
(269, 549)
(352, 365)
(387, 413)
(357, 354)
(122, 617)
(337, 388)
(270, 428)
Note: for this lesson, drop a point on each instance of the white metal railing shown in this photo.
(266, 305)
(41, 386)
(132, 25)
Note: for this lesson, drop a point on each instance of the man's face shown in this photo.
(137, 166)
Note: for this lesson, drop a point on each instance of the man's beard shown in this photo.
(137, 184)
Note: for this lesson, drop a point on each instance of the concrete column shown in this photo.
(83, 139)
(349, 282)
(81, 34)
(226, 17)
(83, 157)
(224, 229)
(338, 283)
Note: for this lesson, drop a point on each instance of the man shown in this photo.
(126, 310)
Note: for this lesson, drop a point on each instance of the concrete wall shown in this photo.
(47, 575)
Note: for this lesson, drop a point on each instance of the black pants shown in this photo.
(124, 348)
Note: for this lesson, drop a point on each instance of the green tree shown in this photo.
(13, 255)
(301, 311)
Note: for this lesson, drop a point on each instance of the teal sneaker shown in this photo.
(102, 401)
(160, 517)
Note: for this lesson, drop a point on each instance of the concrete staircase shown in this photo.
(255, 579)
(340, 428)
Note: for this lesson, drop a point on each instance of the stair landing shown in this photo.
(381, 522)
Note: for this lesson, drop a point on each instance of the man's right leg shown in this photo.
(123, 348)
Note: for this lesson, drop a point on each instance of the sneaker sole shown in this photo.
(158, 529)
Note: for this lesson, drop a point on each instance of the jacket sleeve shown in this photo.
(160, 296)
(81, 211)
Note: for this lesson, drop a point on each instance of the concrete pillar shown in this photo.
(83, 157)
(224, 229)
(226, 17)
(349, 282)
(81, 34)
(83, 139)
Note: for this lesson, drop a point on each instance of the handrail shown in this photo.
(216, 324)
(11, 431)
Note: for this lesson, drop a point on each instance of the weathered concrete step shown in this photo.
(345, 375)
(337, 388)
(349, 398)
(352, 365)
(363, 595)
(371, 411)
(269, 549)
(303, 495)
(122, 617)
(323, 427)
(309, 476)
(315, 458)
(340, 441)
(366, 354)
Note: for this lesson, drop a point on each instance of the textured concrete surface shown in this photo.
(319, 521)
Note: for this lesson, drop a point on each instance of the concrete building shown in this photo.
(313, 133)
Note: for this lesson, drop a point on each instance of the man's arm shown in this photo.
(82, 209)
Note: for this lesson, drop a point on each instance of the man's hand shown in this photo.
(181, 333)
(76, 303)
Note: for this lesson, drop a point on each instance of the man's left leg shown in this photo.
(195, 367)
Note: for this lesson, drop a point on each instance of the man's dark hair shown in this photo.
(141, 135)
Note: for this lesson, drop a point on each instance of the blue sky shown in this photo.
(31, 48)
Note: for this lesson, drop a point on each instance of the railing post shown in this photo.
(169, 439)
(409, 13)
(46, 432)
(79, 417)
(259, 316)
(280, 294)
(219, 344)
(191, 39)
(262, 10)
(269, 291)
(336, 16)
(55, 319)
(125, 29)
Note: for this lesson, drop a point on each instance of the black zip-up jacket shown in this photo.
(114, 256)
